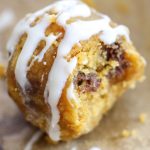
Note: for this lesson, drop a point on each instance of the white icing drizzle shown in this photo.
(74, 148)
(24, 24)
(58, 75)
(34, 138)
(35, 35)
(61, 68)
(70, 93)
(49, 41)
(114, 33)
(94, 148)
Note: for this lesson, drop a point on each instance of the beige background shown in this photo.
(15, 132)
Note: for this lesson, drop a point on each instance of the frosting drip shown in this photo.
(32, 141)
(61, 68)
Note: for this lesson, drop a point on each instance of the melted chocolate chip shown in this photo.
(117, 53)
(113, 52)
(81, 77)
(119, 72)
(87, 83)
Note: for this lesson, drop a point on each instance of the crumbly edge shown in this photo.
(93, 105)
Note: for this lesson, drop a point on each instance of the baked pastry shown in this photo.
(68, 65)
(2, 71)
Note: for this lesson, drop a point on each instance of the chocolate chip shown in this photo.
(92, 82)
(113, 52)
(87, 83)
(81, 77)
(117, 53)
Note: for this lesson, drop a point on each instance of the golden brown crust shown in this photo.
(2, 71)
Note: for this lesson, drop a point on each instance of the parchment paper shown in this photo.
(15, 132)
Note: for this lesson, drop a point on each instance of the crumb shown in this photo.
(2, 71)
(128, 133)
(143, 78)
(142, 118)
(125, 133)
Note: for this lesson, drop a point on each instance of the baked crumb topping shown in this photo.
(142, 118)
(128, 133)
